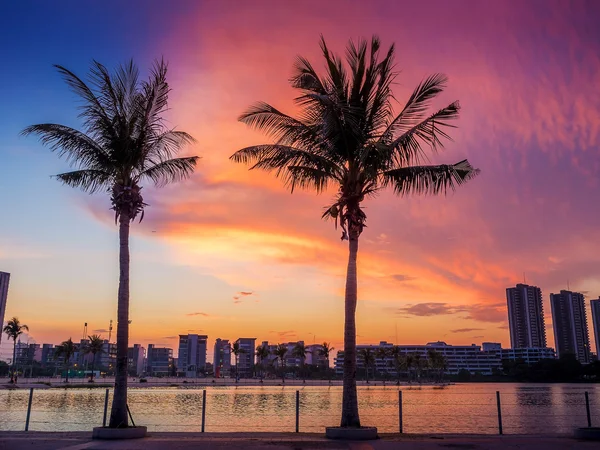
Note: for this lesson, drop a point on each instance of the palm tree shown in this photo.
(93, 346)
(13, 329)
(368, 358)
(437, 363)
(418, 365)
(347, 137)
(124, 142)
(280, 352)
(381, 354)
(237, 350)
(262, 353)
(300, 351)
(400, 362)
(66, 350)
(324, 351)
(410, 362)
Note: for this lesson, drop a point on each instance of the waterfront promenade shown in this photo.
(284, 441)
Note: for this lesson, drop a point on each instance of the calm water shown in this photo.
(462, 408)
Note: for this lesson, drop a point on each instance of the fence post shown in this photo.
(400, 425)
(587, 409)
(203, 409)
(29, 409)
(499, 412)
(105, 408)
(297, 411)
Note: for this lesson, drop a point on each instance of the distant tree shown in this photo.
(368, 358)
(381, 354)
(464, 375)
(13, 329)
(124, 142)
(66, 350)
(437, 364)
(280, 352)
(93, 346)
(262, 353)
(237, 351)
(299, 351)
(325, 351)
(400, 362)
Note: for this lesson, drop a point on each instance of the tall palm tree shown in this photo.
(13, 329)
(299, 351)
(400, 362)
(418, 365)
(437, 363)
(93, 346)
(410, 362)
(66, 350)
(325, 351)
(262, 353)
(237, 350)
(368, 358)
(124, 142)
(348, 137)
(280, 352)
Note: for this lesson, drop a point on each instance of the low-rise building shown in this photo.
(527, 355)
(159, 361)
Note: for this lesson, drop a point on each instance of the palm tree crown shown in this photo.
(14, 328)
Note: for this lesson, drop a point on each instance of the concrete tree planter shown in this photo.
(588, 433)
(351, 434)
(119, 433)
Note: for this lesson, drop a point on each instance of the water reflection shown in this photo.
(469, 408)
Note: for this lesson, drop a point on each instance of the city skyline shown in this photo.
(229, 253)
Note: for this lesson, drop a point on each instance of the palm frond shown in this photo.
(88, 180)
(429, 179)
(308, 178)
(408, 146)
(166, 144)
(416, 106)
(77, 148)
(170, 171)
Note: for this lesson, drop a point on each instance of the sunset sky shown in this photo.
(231, 253)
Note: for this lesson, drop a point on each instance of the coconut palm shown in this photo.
(124, 142)
(437, 363)
(93, 346)
(280, 352)
(410, 362)
(299, 351)
(237, 350)
(262, 353)
(400, 361)
(347, 137)
(13, 329)
(325, 351)
(66, 350)
(368, 357)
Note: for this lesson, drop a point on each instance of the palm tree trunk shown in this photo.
(67, 367)
(14, 361)
(93, 364)
(350, 399)
(118, 412)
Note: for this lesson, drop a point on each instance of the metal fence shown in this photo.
(306, 410)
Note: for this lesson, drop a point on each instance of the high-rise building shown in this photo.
(596, 323)
(222, 358)
(569, 319)
(526, 317)
(135, 359)
(159, 361)
(245, 360)
(191, 359)
(4, 279)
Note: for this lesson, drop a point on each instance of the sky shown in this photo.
(230, 253)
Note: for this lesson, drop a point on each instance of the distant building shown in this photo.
(26, 354)
(595, 304)
(245, 367)
(4, 280)
(527, 355)
(569, 320)
(135, 359)
(47, 359)
(458, 357)
(191, 359)
(158, 361)
(491, 346)
(526, 316)
(222, 358)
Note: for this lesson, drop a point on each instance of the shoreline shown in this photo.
(201, 383)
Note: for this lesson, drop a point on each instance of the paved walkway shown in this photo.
(284, 441)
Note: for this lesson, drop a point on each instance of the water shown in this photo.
(461, 408)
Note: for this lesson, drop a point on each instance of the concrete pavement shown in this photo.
(284, 441)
